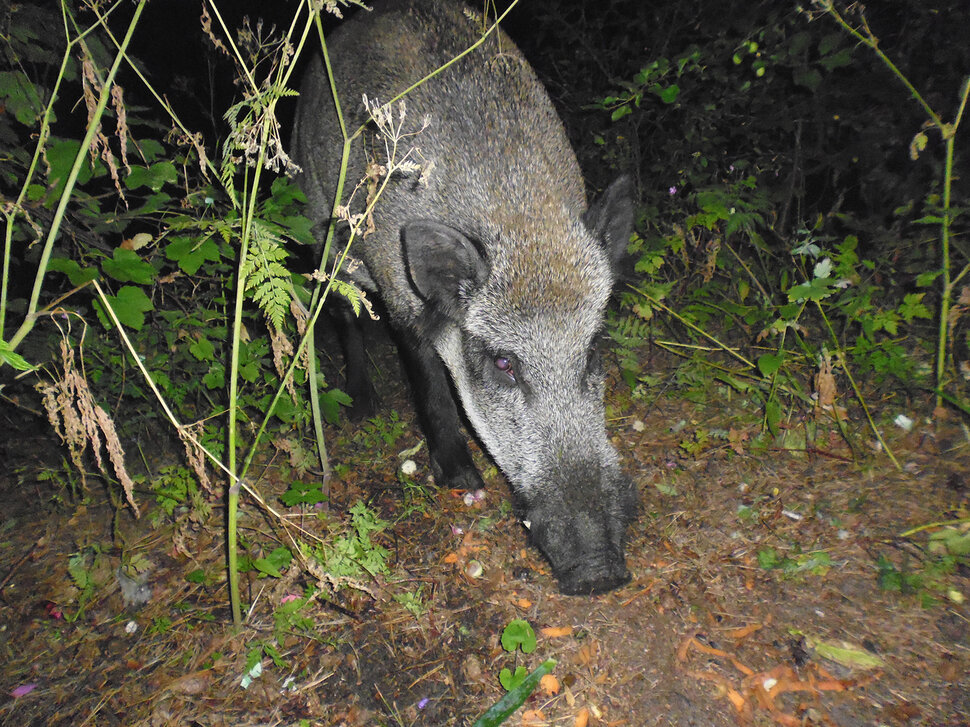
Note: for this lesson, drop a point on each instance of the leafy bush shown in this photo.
(787, 191)
(117, 221)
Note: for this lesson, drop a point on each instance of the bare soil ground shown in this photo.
(755, 599)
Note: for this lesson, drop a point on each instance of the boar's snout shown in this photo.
(584, 580)
(582, 537)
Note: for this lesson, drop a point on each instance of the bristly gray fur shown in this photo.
(491, 265)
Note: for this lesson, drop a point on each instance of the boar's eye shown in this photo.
(504, 364)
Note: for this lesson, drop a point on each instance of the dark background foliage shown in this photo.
(785, 269)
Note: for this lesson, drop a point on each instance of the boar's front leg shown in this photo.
(358, 383)
(451, 462)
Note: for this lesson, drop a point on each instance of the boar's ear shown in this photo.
(610, 218)
(442, 263)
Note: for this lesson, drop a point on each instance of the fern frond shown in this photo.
(265, 277)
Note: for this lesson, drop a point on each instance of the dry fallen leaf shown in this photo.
(193, 683)
(582, 719)
(555, 632)
(533, 718)
(549, 685)
(742, 632)
(570, 697)
(471, 669)
(693, 643)
(587, 653)
(137, 242)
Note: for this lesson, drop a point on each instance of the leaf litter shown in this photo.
(723, 624)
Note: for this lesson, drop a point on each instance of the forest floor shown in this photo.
(770, 587)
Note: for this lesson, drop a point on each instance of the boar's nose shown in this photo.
(583, 581)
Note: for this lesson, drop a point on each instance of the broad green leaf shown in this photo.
(330, 403)
(917, 145)
(215, 378)
(773, 416)
(669, 94)
(743, 288)
(126, 266)
(12, 358)
(951, 540)
(798, 43)
(150, 149)
(265, 566)
(153, 177)
(191, 254)
(202, 348)
(60, 157)
(810, 79)
(274, 563)
(74, 272)
(769, 363)
(666, 489)
(130, 305)
(299, 227)
(285, 410)
(913, 307)
(285, 192)
(817, 289)
(924, 280)
(622, 111)
(713, 201)
(511, 680)
(823, 268)
(768, 558)
(841, 59)
(829, 43)
(519, 634)
(20, 97)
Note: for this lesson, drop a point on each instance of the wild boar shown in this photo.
(493, 272)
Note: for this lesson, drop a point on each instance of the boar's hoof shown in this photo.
(362, 407)
(456, 475)
(584, 583)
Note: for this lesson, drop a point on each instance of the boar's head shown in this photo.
(515, 310)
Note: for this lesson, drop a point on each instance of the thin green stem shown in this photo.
(948, 133)
(93, 124)
(10, 211)
(855, 388)
(488, 32)
(947, 283)
(870, 40)
(933, 526)
(697, 329)
(250, 207)
(232, 43)
(750, 273)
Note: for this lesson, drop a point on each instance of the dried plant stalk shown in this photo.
(190, 434)
(79, 421)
